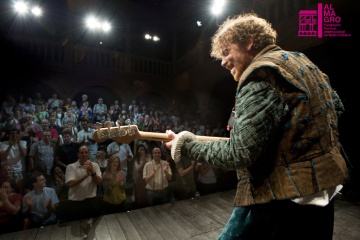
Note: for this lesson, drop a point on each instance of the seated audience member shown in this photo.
(10, 206)
(113, 181)
(39, 205)
(82, 178)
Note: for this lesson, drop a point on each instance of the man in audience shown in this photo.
(82, 177)
(39, 205)
(53, 102)
(6, 174)
(45, 126)
(41, 156)
(85, 137)
(14, 152)
(100, 110)
(66, 153)
(185, 181)
(38, 100)
(84, 99)
(29, 107)
(157, 174)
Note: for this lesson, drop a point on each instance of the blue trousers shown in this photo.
(280, 220)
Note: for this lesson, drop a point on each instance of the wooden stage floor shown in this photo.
(200, 218)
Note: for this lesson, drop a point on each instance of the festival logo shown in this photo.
(320, 23)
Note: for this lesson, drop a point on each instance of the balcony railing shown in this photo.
(46, 52)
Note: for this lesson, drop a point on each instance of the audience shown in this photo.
(83, 182)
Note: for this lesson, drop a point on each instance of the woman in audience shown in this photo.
(69, 118)
(10, 205)
(141, 158)
(27, 134)
(60, 187)
(113, 180)
(103, 163)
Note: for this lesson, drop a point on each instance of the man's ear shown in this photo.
(249, 42)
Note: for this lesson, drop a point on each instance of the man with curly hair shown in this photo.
(283, 140)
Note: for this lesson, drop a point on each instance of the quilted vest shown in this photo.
(307, 156)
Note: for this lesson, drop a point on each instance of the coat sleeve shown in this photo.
(259, 110)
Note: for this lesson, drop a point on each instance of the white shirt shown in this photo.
(14, 158)
(321, 198)
(87, 188)
(93, 147)
(124, 148)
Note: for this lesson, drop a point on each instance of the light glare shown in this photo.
(94, 24)
(91, 22)
(20, 7)
(217, 7)
(154, 38)
(106, 27)
(36, 11)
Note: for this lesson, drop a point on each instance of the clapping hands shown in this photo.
(89, 167)
(166, 167)
(3, 194)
